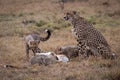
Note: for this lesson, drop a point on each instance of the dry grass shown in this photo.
(12, 47)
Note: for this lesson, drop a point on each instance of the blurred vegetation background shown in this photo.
(19, 18)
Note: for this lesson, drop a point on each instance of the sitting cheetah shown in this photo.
(32, 41)
(89, 39)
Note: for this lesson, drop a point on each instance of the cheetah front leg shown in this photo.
(27, 51)
(36, 50)
(83, 51)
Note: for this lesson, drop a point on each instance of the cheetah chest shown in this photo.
(77, 33)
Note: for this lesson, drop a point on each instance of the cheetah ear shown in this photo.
(74, 12)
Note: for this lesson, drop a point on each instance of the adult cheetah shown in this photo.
(89, 39)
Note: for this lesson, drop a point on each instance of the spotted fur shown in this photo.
(89, 39)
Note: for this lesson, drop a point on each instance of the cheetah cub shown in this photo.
(89, 39)
(32, 41)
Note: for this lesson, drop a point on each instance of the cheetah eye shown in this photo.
(74, 12)
(68, 13)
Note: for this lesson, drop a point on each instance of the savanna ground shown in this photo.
(47, 14)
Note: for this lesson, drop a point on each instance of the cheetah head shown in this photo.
(70, 16)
